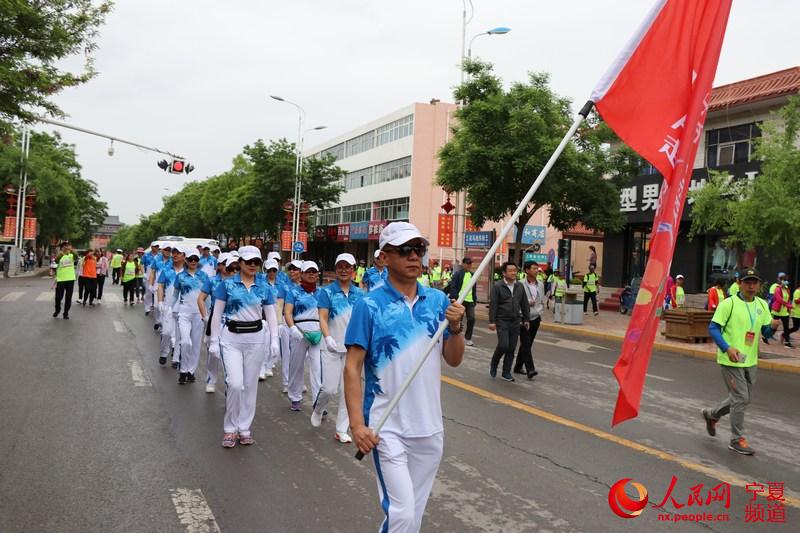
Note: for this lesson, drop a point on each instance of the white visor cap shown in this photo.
(398, 233)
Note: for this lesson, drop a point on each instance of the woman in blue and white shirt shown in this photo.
(166, 288)
(302, 319)
(285, 283)
(227, 266)
(242, 300)
(271, 277)
(190, 322)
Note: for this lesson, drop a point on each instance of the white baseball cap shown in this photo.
(274, 256)
(249, 252)
(214, 248)
(156, 244)
(296, 264)
(234, 253)
(166, 245)
(271, 263)
(348, 258)
(377, 253)
(679, 276)
(191, 252)
(229, 259)
(398, 233)
(309, 265)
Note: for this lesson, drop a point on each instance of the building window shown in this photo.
(328, 217)
(731, 145)
(356, 213)
(359, 178)
(359, 144)
(395, 209)
(394, 130)
(393, 170)
(336, 151)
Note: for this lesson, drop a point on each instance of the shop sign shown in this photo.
(342, 232)
(359, 231)
(286, 241)
(533, 234)
(445, 233)
(375, 228)
(478, 239)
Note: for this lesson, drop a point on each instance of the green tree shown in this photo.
(34, 37)
(761, 213)
(501, 141)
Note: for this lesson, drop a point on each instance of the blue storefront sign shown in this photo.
(539, 258)
(533, 234)
(359, 231)
(478, 239)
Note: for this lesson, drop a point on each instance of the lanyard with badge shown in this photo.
(750, 335)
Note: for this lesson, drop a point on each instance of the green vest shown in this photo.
(796, 307)
(116, 260)
(65, 271)
(733, 290)
(436, 273)
(130, 272)
(590, 280)
(467, 279)
(541, 277)
(360, 274)
(424, 280)
(561, 288)
(737, 318)
(680, 297)
(783, 311)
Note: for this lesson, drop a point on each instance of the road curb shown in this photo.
(686, 351)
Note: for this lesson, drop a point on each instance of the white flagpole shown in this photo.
(489, 257)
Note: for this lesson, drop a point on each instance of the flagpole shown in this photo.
(489, 257)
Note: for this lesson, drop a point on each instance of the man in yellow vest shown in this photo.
(360, 272)
(436, 275)
(733, 290)
(735, 327)
(459, 282)
(116, 267)
(590, 284)
(781, 305)
(65, 278)
(795, 310)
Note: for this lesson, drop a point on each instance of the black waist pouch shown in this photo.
(244, 327)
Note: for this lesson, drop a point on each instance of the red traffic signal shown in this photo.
(176, 166)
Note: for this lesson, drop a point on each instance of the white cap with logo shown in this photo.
(296, 263)
(347, 258)
(249, 252)
(275, 256)
(271, 263)
(398, 233)
(189, 252)
(309, 265)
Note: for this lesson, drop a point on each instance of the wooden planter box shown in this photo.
(689, 325)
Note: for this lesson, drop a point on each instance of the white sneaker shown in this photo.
(305, 389)
(262, 376)
(285, 389)
(211, 388)
(269, 373)
(316, 418)
(344, 438)
(469, 343)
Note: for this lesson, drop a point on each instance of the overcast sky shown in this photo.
(193, 76)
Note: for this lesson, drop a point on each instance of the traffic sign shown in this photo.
(298, 247)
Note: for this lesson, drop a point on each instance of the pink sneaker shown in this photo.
(229, 440)
(246, 440)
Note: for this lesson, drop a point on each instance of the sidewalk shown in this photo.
(34, 272)
(612, 326)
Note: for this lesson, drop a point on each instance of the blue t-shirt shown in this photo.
(243, 305)
(305, 312)
(208, 265)
(208, 288)
(167, 278)
(148, 258)
(374, 278)
(340, 307)
(159, 264)
(284, 288)
(395, 332)
(187, 289)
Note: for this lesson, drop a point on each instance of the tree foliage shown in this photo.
(502, 140)
(35, 36)
(759, 213)
(245, 200)
(67, 205)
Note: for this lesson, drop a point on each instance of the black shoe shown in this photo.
(507, 377)
(182, 378)
(788, 344)
(766, 340)
(55, 315)
(162, 360)
(156, 326)
(176, 365)
(66, 316)
(533, 374)
(741, 446)
(190, 377)
(91, 305)
(519, 371)
(711, 424)
(147, 313)
(493, 372)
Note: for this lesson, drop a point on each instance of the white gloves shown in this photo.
(275, 346)
(330, 343)
(213, 347)
(296, 333)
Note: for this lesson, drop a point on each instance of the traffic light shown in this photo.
(176, 166)
(564, 246)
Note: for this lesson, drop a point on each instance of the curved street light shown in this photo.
(500, 30)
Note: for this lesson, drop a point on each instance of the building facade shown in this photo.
(103, 235)
(735, 116)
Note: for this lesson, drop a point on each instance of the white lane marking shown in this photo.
(612, 366)
(47, 296)
(193, 511)
(12, 296)
(138, 376)
(119, 327)
(573, 345)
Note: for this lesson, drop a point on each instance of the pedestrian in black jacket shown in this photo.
(508, 309)
(454, 289)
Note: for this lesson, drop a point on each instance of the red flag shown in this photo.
(655, 97)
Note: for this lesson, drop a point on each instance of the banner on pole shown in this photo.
(445, 231)
(29, 229)
(10, 228)
(286, 241)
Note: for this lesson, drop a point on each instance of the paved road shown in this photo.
(98, 437)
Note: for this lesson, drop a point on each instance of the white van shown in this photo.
(189, 241)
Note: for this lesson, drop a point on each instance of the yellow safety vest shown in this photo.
(796, 309)
(561, 287)
(466, 280)
(590, 280)
(65, 271)
(130, 272)
(436, 273)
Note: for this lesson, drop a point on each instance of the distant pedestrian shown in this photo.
(508, 310)
(376, 274)
(735, 328)
(116, 266)
(65, 278)
(424, 278)
(81, 279)
(128, 267)
(678, 296)
(733, 290)
(457, 285)
(590, 283)
(592, 257)
(89, 278)
(781, 305)
(436, 275)
(6, 261)
(534, 291)
(102, 272)
(138, 287)
(716, 295)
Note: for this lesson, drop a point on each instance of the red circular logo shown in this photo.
(624, 506)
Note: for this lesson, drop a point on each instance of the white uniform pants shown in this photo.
(167, 327)
(286, 352)
(191, 329)
(314, 364)
(175, 339)
(242, 363)
(212, 368)
(148, 296)
(406, 469)
(332, 387)
(300, 350)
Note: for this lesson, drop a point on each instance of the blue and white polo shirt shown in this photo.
(305, 312)
(243, 305)
(340, 307)
(374, 278)
(187, 290)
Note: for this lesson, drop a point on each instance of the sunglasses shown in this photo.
(252, 262)
(293, 269)
(192, 259)
(406, 249)
(272, 270)
(232, 268)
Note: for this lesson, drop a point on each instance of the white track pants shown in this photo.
(406, 469)
(300, 350)
(191, 329)
(332, 387)
(212, 368)
(167, 328)
(148, 296)
(242, 363)
(286, 352)
(314, 364)
(175, 339)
